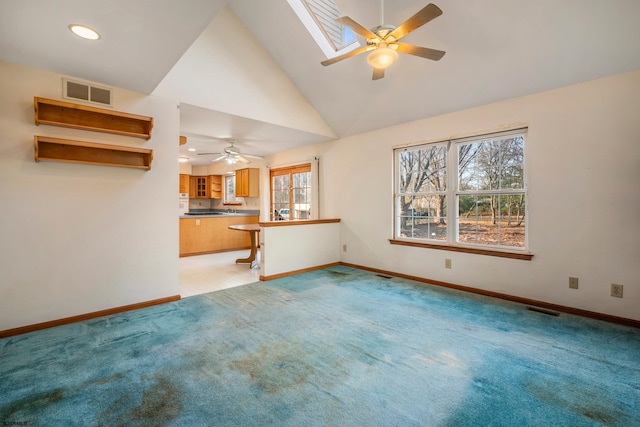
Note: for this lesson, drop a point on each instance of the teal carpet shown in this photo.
(336, 347)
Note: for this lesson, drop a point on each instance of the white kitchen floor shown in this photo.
(207, 273)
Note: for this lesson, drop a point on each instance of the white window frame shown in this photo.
(453, 193)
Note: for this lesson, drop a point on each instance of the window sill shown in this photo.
(466, 249)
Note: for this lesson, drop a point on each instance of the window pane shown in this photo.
(488, 165)
(280, 195)
(468, 167)
(491, 164)
(512, 224)
(422, 217)
(475, 222)
(496, 220)
(301, 195)
(423, 170)
(325, 13)
(230, 188)
(512, 173)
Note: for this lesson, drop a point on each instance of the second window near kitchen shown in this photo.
(291, 192)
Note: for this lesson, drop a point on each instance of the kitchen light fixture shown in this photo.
(382, 57)
(183, 159)
(84, 32)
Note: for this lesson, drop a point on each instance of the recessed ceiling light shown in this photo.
(192, 149)
(84, 32)
(183, 159)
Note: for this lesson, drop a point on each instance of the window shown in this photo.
(229, 189)
(318, 16)
(291, 193)
(469, 191)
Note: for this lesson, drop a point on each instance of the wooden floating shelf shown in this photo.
(65, 150)
(66, 114)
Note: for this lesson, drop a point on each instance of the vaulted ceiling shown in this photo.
(496, 50)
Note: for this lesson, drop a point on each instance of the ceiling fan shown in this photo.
(382, 41)
(231, 154)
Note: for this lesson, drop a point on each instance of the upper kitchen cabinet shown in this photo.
(66, 114)
(248, 182)
(199, 187)
(184, 183)
(215, 186)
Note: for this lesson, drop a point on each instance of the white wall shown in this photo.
(583, 161)
(297, 247)
(227, 70)
(78, 238)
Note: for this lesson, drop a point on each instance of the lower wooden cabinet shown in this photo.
(213, 234)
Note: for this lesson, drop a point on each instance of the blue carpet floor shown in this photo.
(335, 347)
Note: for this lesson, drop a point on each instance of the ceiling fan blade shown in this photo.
(423, 52)
(242, 159)
(426, 14)
(345, 56)
(357, 28)
(207, 154)
(378, 73)
(253, 156)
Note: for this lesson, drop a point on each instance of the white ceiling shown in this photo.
(496, 50)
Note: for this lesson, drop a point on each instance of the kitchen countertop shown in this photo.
(208, 213)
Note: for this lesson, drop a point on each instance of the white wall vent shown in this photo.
(87, 92)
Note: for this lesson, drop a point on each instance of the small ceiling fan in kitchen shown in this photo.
(231, 154)
(383, 41)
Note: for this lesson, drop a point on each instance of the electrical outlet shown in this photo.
(344, 248)
(573, 282)
(616, 290)
(197, 222)
(447, 263)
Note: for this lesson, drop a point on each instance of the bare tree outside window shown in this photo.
(422, 198)
(491, 193)
(488, 191)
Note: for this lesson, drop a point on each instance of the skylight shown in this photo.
(318, 16)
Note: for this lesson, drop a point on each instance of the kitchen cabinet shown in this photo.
(215, 186)
(184, 183)
(199, 187)
(248, 182)
(209, 235)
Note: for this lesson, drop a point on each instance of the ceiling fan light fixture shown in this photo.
(382, 57)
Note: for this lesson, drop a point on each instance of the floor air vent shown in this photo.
(86, 92)
(383, 276)
(544, 311)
